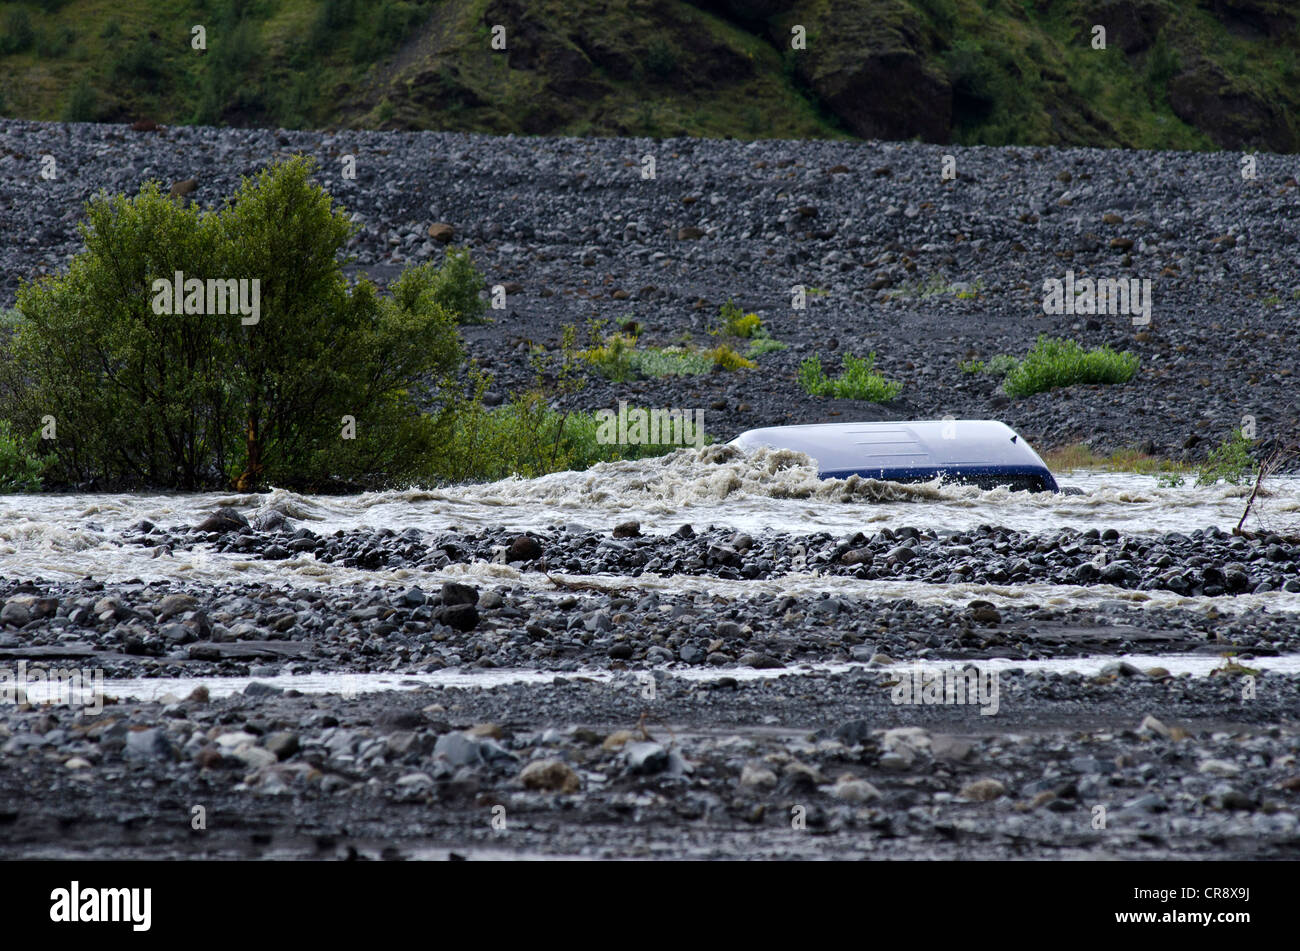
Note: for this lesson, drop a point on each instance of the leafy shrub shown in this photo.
(21, 466)
(17, 34)
(736, 323)
(858, 381)
(202, 400)
(457, 287)
(613, 357)
(661, 59)
(81, 103)
(229, 83)
(137, 63)
(1001, 365)
(1055, 363)
(526, 437)
(1230, 461)
(53, 43)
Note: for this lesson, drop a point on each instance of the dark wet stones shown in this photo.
(645, 758)
(524, 548)
(15, 613)
(223, 520)
(628, 529)
(412, 597)
(690, 654)
(455, 593)
(461, 617)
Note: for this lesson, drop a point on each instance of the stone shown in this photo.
(524, 548)
(645, 758)
(851, 789)
(223, 520)
(148, 744)
(442, 232)
(1150, 724)
(174, 604)
(282, 744)
(460, 617)
(15, 612)
(629, 529)
(757, 777)
(453, 592)
(550, 775)
(983, 790)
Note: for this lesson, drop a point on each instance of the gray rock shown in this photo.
(645, 758)
(223, 520)
(454, 593)
(283, 744)
(15, 612)
(149, 744)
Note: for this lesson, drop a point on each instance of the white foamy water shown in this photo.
(73, 536)
(345, 684)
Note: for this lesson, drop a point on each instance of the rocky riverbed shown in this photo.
(800, 766)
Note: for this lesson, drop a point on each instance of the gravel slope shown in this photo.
(575, 226)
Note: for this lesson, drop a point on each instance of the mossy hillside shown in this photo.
(1173, 75)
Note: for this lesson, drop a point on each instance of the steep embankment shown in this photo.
(1220, 73)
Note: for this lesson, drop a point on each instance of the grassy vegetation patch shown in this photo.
(857, 381)
(1055, 363)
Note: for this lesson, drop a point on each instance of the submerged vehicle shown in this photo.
(981, 452)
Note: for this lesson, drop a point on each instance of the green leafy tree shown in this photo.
(191, 400)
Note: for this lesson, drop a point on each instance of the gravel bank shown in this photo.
(925, 273)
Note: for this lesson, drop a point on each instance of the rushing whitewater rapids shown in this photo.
(75, 535)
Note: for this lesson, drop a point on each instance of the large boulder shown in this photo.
(1232, 113)
(867, 63)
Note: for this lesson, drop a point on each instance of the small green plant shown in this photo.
(661, 59)
(671, 361)
(998, 366)
(81, 103)
(1055, 363)
(21, 465)
(1170, 480)
(1230, 462)
(16, 34)
(728, 359)
(763, 344)
(612, 356)
(736, 323)
(858, 381)
(1001, 365)
(456, 287)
